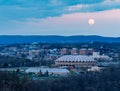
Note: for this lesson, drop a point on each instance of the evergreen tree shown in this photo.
(46, 74)
(40, 74)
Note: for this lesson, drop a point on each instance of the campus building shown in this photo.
(75, 61)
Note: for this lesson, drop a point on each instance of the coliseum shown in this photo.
(75, 61)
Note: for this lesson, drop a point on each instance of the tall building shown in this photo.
(90, 51)
(83, 51)
(64, 51)
(74, 51)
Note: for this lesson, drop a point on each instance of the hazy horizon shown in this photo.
(59, 35)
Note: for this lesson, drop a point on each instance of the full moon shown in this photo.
(91, 21)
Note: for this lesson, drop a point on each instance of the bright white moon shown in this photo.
(91, 21)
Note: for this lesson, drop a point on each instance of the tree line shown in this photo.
(7, 62)
(107, 80)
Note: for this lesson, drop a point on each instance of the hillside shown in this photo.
(10, 39)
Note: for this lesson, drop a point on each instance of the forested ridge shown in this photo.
(107, 80)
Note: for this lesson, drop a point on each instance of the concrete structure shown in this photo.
(83, 51)
(95, 68)
(90, 51)
(64, 51)
(75, 61)
(97, 56)
(56, 71)
(74, 51)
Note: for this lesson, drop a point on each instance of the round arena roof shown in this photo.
(76, 58)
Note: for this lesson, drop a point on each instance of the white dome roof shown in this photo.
(76, 58)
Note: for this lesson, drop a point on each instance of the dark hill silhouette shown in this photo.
(10, 39)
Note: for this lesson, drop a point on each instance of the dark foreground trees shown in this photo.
(108, 80)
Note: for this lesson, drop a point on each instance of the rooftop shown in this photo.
(76, 58)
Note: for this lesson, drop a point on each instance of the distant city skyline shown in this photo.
(60, 17)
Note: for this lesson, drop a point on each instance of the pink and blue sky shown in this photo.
(60, 17)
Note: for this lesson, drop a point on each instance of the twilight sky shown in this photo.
(60, 17)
